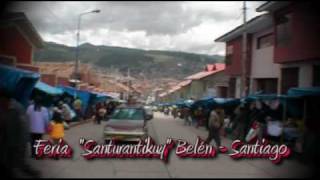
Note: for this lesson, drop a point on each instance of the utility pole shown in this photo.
(76, 68)
(77, 49)
(243, 89)
(128, 78)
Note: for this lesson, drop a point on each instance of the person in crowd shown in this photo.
(114, 105)
(198, 117)
(261, 119)
(240, 120)
(14, 133)
(253, 113)
(186, 116)
(77, 105)
(60, 107)
(174, 112)
(92, 111)
(68, 101)
(194, 114)
(39, 120)
(166, 111)
(180, 113)
(215, 123)
(100, 112)
(206, 114)
(56, 130)
(221, 114)
(110, 108)
(67, 113)
(291, 131)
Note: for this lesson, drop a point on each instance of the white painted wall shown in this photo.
(305, 72)
(262, 65)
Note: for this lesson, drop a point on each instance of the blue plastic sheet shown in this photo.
(84, 96)
(303, 92)
(46, 88)
(210, 102)
(294, 103)
(17, 83)
(98, 97)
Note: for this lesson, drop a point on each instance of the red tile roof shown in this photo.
(209, 70)
(185, 83)
(173, 89)
(163, 94)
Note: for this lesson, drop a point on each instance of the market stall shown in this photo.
(84, 96)
(49, 94)
(17, 83)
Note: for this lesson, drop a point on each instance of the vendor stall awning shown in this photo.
(41, 86)
(100, 97)
(84, 96)
(312, 91)
(17, 83)
(210, 102)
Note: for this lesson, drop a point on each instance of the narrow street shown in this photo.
(160, 128)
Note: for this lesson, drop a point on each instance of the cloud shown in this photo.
(183, 26)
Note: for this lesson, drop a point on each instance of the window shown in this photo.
(229, 55)
(128, 114)
(223, 91)
(7, 60)
(267, 85)
(290, 78)
(283, 30)
(316, 75)
(264, 41)
(232, 87)
(228, 60)
(230, 50)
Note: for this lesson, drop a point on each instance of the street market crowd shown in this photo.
(237, 122)
(21, 126)
(250, 121)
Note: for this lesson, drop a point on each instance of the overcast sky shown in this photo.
(188, 26)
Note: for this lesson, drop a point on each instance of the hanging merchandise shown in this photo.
(274, 128)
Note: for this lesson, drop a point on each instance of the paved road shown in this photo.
(160, 128)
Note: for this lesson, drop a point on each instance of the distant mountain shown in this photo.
(152, 63)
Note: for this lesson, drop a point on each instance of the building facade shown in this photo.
(296, 26)
(212, 81)
(19, 40)
(283, 49)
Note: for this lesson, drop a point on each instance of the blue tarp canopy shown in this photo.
(46, 88)
(303, 92)
(226, 102)
(17, 83)
(179, 103)
(84, 96)
(165, 104)
(293, 103)
(266, 97)
(210, 102)
(204, 102)
(308, 100)
(99, 97)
